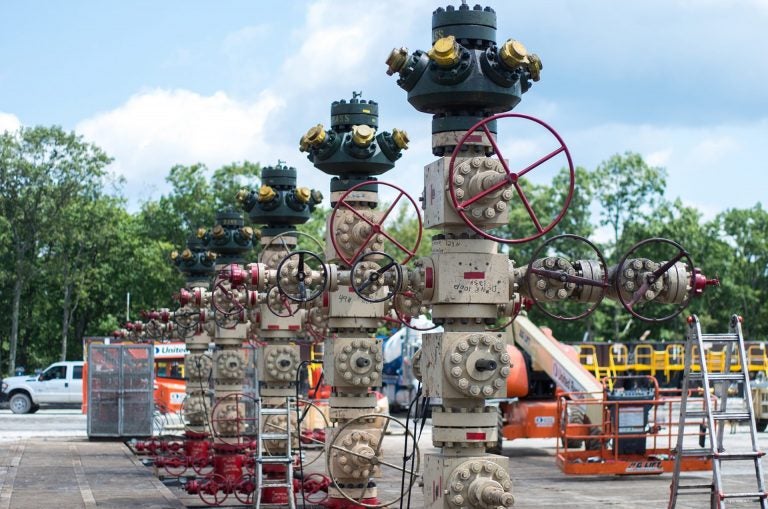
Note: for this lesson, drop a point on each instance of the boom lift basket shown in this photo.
(638, 432)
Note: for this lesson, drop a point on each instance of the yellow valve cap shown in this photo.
(535, 66)
(303, 194)
(201, 232)
(266, 193)
(445, 51)
(400, 138)
(362, 135)
(186, 254)
(210, 255)
(174, 254)
(218, 231)
(242, 195)
(396, 60)
(313, 137)
(247, 232)
(513, 53)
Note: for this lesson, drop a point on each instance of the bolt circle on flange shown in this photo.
(676, 280)
(462, 204)
(187, 321)
(281, 362)
(287, 243)
(408, 305)
(306, 414)
(233, 419)
(556, 274)
(362, 453)
(372, 228)
(298, 280)
(478, 365)
(316, 323)
(280, 305)
(370, 273)
(479, 484)
(360, 363)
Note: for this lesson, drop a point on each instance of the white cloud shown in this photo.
(344, 45)
(244, 40)
(156, 129)
(341, 46)
(658, 157)
(9, 122)
(714, 167)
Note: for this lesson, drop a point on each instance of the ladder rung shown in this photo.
(719, 338)
(274, 436)
(718, 377)
(734, 416)
(747, 455)
(274, 459)
(756, 494)
(275, 485)
(696, 487)
(697, 452)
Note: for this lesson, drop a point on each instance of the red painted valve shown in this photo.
(651, 278)
(582, 280)
(373, 229)
(512, 178)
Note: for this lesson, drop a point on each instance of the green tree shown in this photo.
(42, 171)
(737, 253)
(88, 229)
(628, 191)
(196, 195)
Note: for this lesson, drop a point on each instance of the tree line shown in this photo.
(71, 251)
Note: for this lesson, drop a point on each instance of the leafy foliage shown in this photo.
(71, 252)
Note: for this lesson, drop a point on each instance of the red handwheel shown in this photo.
(373, 227)
(511, 178)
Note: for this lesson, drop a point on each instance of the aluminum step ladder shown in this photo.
(716, 419)
(284, 458)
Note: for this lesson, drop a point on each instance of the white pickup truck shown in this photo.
(60, 383)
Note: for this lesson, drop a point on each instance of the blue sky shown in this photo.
(683, 82)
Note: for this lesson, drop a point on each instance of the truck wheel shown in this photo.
(762, 424)
(20, 403)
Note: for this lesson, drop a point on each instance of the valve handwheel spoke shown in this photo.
(303, 407)
(652, 278)
(305, 291)
(564, 277)
(373, 461)
(288, 308)
(245, 489)
(375, 275)
(213, 492)
(510, 178)
(377, 226)
(315, 487)
(635, 299)
(404, 318)
(234, 430)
